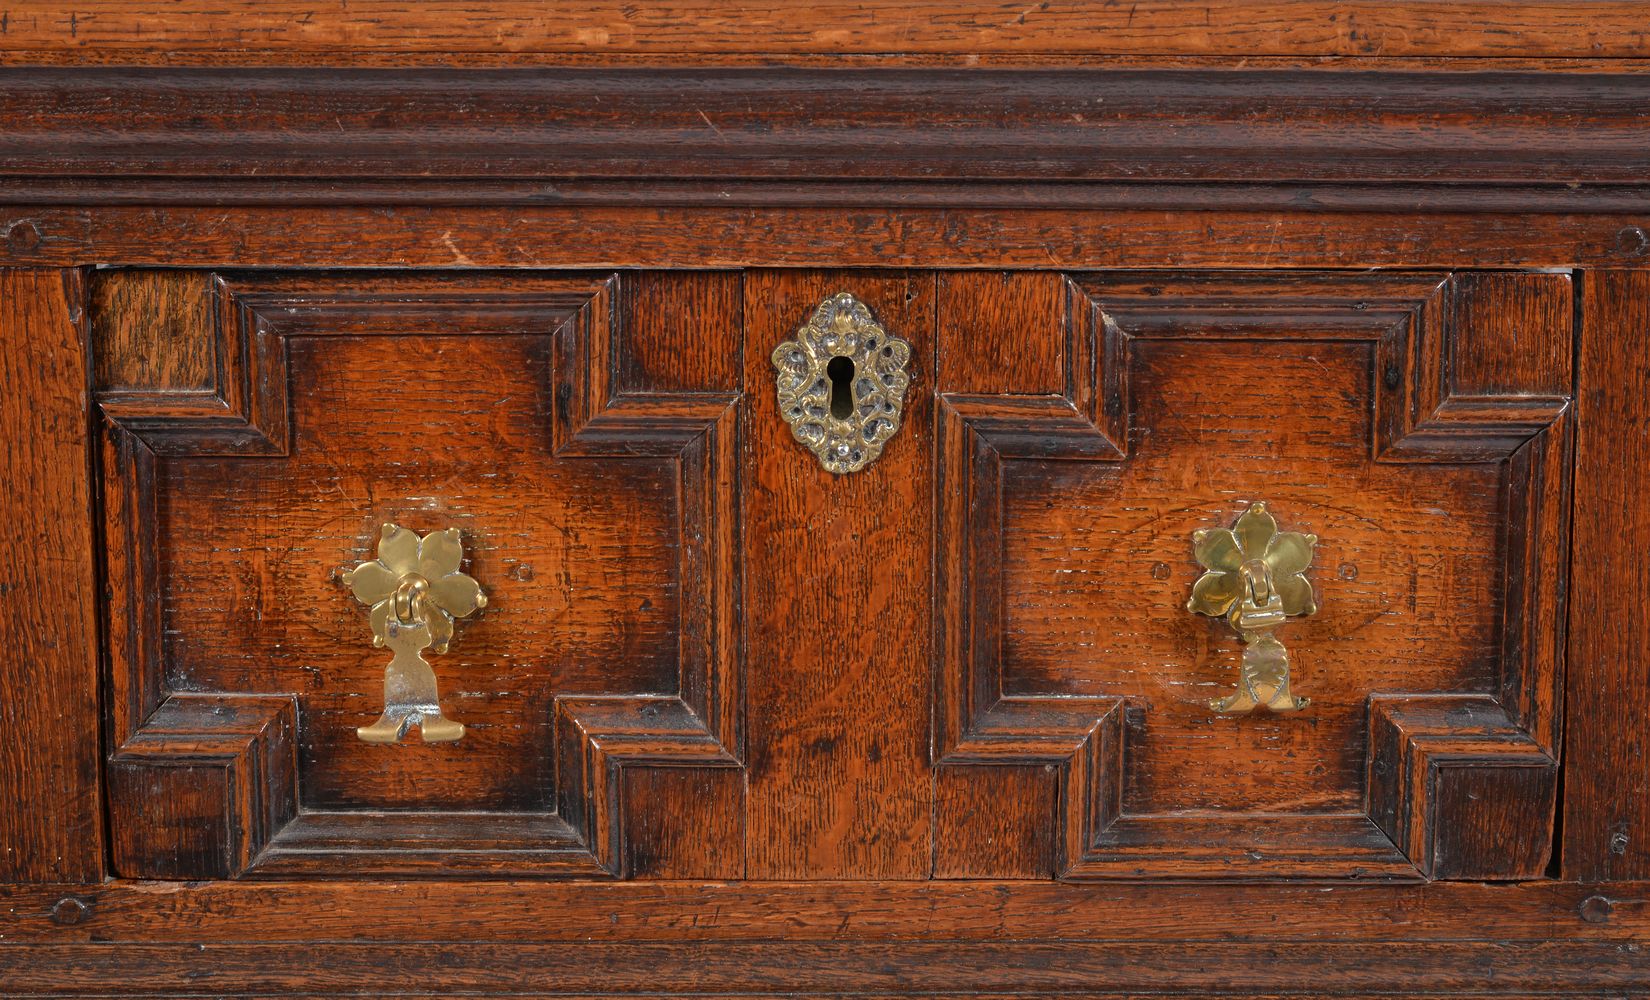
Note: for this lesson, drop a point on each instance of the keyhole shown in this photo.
(841, 372)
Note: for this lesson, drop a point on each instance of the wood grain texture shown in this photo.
(1415, 423)
(132, 135)
(833, 968)
(893, 939)
(1007, 330)
(183, 364)
(1606, 790)
(1179, 913)
(698, 726)
(684, 823)
(138, 32)
(606, 546)
(1519, 233)
(203, 788)
(1460, 787)
(990, 701)
(836, 609)
(1004, 758)
(157, 334)
(979, 821)
(51, 819)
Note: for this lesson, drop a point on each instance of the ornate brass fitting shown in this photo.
(1256, 579)
(416, 590)
(841, 381)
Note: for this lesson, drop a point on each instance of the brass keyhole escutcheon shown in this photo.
(841, 381)
(1255, 577)
(415, 589)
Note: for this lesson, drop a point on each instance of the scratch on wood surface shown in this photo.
(719, 133)
(458, 255)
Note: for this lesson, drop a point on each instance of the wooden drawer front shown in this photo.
(1088, 425)
(971, 658)
(577, 430)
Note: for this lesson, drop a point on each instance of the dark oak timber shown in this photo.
(1152, 401)
(836, 607)
(286, 31)
(136, 135)
(274, 274)
(51, 824)
(336, 404)
(763, 938)
(1607, 803)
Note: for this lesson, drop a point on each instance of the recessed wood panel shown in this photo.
(1098, 567)
(1378, 412)
(578, 559)
(598, 518)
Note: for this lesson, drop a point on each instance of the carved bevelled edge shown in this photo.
(1396, 311)
(698, 430)
(1412, 318)
(976, 725)
(1425, 409)
(1413, 321)
(204, 786)
(1423, 326)
(241, 319)
(243, 408)
(1461, 787)
(699, 724)
(974, 434)
(597, 738)
(1340, 846)
(1082, 738)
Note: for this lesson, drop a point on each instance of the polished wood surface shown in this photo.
(343, 403)
(836, 607)
(714, 136)
(51, 828)
(1607, 800)
(121, 31)
(739, 727)
(1065, 546)
(1417, 422)
(824, 938)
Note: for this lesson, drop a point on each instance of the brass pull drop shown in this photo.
(416, 590)
(1255, 578)
(409, 599)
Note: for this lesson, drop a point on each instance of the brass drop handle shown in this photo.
(415, 589)
(409, 599)
(1255, 577)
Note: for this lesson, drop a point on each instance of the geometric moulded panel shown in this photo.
(1417, 424)
(250, 460)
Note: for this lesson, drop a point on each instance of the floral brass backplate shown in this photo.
(416, 589)
(842, 380)
(1255, 578)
